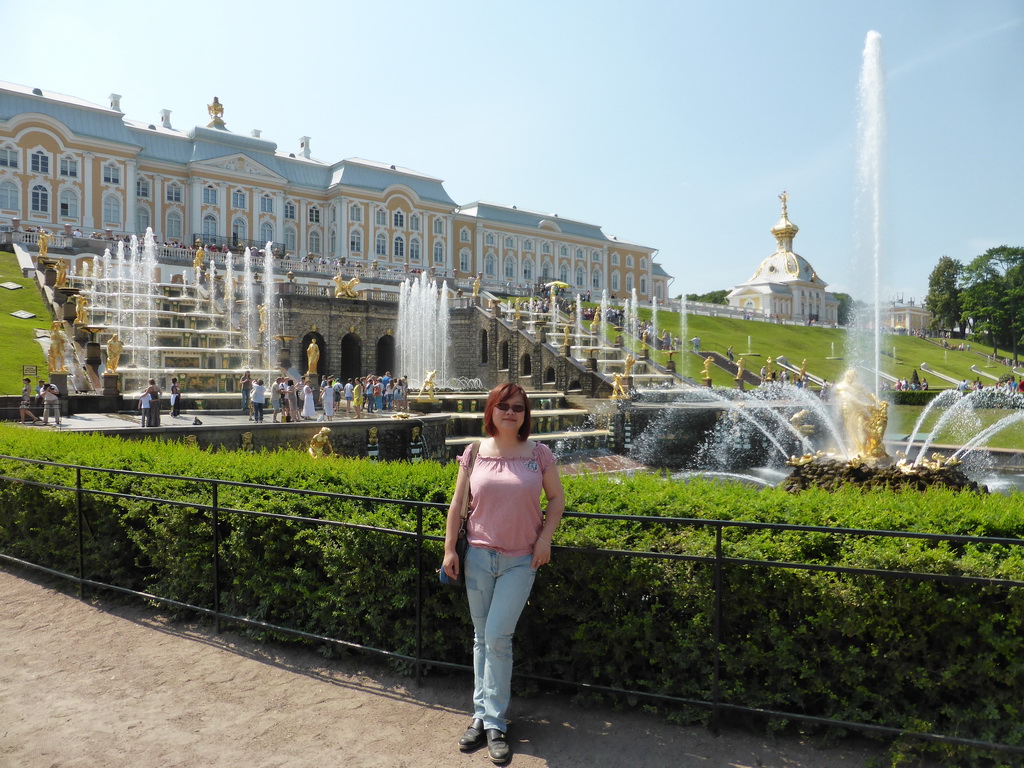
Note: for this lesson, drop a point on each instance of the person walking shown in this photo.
(509, 538)
(154, 403)
(291, 402)
(357, 398)
(259, 400)
(327, 399)
(245, 384)
(275, 398)
(175, 398)
(25, 407)
(349, 394)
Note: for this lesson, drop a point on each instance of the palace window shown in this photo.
(111, 173)
(313, 214)
(510, 243)
(596, 257)
(546, 249)
(414, 251)
(267, 232)
(643, 285)
(355, 241)
(629, 260)
(629, 282)
(439, 253)
(464, 260)
(615, 259)
(489, 270)
(355, 213)
(237, 199)
(527, 245)
(173, 193)
(141, 189)
(528, 271)
(209, 195)
(209, 226)
(464, 235)
(399, 247)
(581, 280)
(545, 271)
(381, 217)
(141, 219)
(579, 254)
(595, 279)
(563, 273)
(8, 158)
(438, 226)
(563, 251)
(40, 199)
(414, 222)
(68, 167)
(510, 268)
(40, 162)
(266, 204)
(111, 210)
(382, 244)
(174, 225)
(398, 219)
(9, 196)
(291, 239)
(289, 210)
(69, 204)
(643, 264)
(489, 238)
(615, 281)
(315, 242)
(239, 229)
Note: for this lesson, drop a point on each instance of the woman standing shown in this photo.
(308, 402)
(509, 538)
(291, 407)
(357, 398)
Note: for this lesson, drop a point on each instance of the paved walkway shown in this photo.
(98, 684)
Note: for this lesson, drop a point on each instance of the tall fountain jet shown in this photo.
(868, 214)
(423, 338)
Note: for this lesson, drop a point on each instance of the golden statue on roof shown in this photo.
(216, 111)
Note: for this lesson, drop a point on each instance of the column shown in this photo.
(88, 191)
(129, 194)
(225, 210)
(194, 203)
(158, 208)
(343, 228)
(279, 217)
(450, 243)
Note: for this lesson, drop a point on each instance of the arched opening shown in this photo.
(549, 376)
(320, 362)
(526, 365)
(351, 356)
(385, 355)
(483, 347)
(503, 355)
(574, 385)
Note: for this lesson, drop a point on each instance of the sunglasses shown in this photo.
(513, 408)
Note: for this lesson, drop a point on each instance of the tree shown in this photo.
(944, 295)
(993, 296)
(713, 297)
(847, 308)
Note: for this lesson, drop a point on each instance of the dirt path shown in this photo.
(123, 686)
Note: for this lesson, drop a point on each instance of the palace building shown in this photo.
(785, 285)
(67, 164)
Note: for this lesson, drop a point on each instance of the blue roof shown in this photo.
(366, 174)
(515, 216)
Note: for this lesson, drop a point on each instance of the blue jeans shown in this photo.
(497, 586)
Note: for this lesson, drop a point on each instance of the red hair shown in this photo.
(500, 394)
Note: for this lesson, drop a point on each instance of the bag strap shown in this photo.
(464, 515)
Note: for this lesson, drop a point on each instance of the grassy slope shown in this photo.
(19, 346)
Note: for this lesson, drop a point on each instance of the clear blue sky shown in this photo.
(673, 124)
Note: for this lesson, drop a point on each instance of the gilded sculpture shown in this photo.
(320, 444)
(55, 356)
(114, 348)
(345, 289)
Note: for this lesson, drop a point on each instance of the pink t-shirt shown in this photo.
(505, 513)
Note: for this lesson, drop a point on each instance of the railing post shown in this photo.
(717, 633)
(81, 532)
(216, 559)
(419, 593)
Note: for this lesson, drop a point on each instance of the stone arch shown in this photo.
(483, 347)
(526, 365)
(549, 375)
(385, 354)
(503, 359)
(575, 386)
(351, 356)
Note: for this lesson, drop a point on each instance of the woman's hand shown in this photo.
(450, 565)
(541, 554)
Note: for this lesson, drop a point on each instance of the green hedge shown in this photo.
(919, 655)
(912, 396)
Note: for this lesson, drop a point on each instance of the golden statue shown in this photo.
(739, 368)
(345, 289)
(519, 311)
(320, 444)
(216, 111)
(81, 310)
(45, 238)
(476, 286)
(55, 357)
(247, 444)
(801, 421)
(630, 362)
(618, 389)
(643, 340)
(596, 322)
(197, 262)
(62, 274)
(566, 341)
(803, 369)
(114, 347)
(263, 318)
(428, 385)
(313, 356)
(865, 417)
(707, 366)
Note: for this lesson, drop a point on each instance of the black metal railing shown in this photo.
(718, 561)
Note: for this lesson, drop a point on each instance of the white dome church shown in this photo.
(785, 285)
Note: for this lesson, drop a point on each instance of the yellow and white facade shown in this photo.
(71, 165)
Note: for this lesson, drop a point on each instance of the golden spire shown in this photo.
(216, 111)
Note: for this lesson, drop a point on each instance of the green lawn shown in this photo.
(19, 347)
